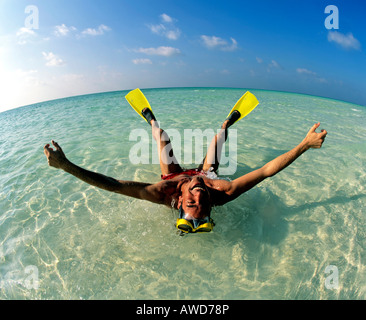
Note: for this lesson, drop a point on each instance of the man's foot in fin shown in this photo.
(231, 119)
(148, 115)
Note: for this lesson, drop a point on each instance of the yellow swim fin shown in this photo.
(245, 105)
(138, 101)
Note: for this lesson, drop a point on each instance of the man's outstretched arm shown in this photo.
(248, 181)
(145, 191)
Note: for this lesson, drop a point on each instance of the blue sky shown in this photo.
(81, 47)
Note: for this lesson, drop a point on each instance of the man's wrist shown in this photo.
(67, 165)
(304, 146)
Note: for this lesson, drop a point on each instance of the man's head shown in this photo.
(195, 198)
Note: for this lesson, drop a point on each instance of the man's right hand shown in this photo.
(56, 158)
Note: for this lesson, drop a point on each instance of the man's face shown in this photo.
(195, 198)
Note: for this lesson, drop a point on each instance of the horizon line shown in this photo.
(183, 87)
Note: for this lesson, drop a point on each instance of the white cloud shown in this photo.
(52, 59)
(212, 42)
(313, 75)
(160, 51)
(259, 60)
(166, 28)
(232, 47)
(63, 30)
(162, 30)
(25, 35)
(346, 41)
(25, 31)
(142, 61)
(173, 34)
(158, 28)
(166, 18)
(96, 32)
(274, 64)
(305, 71)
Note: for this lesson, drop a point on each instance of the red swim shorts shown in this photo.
(189, 172)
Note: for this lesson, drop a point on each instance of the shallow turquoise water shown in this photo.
(274, 242)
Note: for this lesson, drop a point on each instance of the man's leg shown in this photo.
(168, 162)
(212, 159)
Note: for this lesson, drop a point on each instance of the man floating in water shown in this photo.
(189, 191)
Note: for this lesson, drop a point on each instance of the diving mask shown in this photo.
(193, 225)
